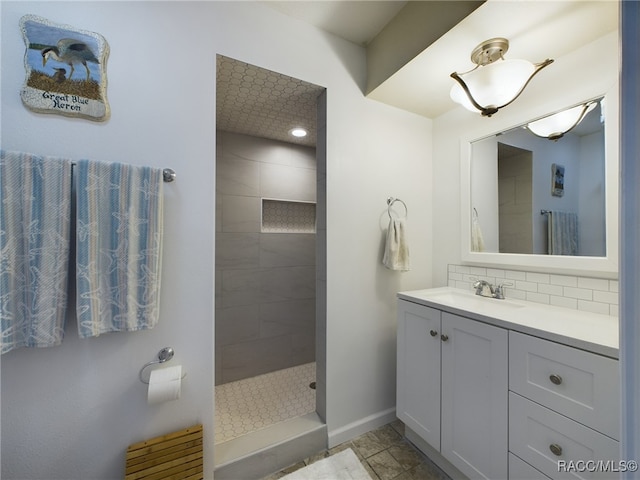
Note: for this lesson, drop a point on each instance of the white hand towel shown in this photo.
(396, 251)
(477, 240)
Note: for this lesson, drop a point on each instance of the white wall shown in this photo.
(592, 194)
(69, 412)
(569, 80)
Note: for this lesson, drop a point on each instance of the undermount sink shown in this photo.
(464, 300)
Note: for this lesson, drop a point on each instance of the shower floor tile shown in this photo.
(254, 403)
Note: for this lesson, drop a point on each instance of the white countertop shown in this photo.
(585, 330)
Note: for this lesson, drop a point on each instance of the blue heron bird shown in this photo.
(69, 51)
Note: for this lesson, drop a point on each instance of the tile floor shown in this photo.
(384, 453)
(253, 403)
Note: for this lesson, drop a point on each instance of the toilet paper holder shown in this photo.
(164, 355)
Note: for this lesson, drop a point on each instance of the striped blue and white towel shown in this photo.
(35, 195)
(563, 233)
(119, 247)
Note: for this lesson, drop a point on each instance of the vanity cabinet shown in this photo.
(452, 387)
(563, 408)
(498, 402)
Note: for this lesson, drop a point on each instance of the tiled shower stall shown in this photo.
(265, 256)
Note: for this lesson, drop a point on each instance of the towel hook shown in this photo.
(164, 355)
(391, 201)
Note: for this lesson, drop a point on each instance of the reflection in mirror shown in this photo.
(533, 195)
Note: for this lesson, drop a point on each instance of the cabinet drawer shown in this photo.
(548, 441)
(581, 385)
(521, 470)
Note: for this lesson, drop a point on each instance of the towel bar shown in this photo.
(391, 201)
(168, 174)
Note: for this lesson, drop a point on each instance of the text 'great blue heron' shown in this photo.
(70, 51)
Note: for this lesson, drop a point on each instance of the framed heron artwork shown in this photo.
(557, 180)
(65, 70)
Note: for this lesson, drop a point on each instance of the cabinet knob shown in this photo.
(444, 337)
(433, 333)
(555, 449)
(555, 379)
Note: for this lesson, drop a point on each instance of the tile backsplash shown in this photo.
(597, 295)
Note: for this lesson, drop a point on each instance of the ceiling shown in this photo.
(254, 101)
(357, 21)
(259, 102)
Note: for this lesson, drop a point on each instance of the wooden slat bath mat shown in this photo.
(175, 456)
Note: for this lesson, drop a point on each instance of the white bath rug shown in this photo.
(341, 466)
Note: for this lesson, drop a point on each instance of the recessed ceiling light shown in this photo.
(298, 132)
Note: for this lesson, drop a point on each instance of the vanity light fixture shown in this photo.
(494, 82)
(298, 132)
(555, 126)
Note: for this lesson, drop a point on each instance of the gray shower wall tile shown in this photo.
(249, 359)
(237, 176)
(237, 250)
(287, 183)
(218, 212)
(287, 283)
(288, 317)
(237, 324)
(240, 214)
(287, 249)
(218, 376)
(253, 286)
(257, 274)
(268, 151)
(241, 287)
(274, 353)
(238, 361)
(303, 348)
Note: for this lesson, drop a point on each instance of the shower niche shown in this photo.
(286, 216)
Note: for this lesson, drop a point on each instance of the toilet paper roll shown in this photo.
(164, 384)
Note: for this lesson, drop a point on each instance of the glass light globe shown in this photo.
(556, 125)
(493, 85)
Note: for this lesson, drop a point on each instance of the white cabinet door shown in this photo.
(474, 397)
(418, 382)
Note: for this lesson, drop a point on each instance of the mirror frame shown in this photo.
(606, 266)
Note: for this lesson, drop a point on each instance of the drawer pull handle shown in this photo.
(433, 333)
(555, 449)
(444, 337)
(555, 379)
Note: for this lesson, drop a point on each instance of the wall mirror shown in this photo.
(544, 204)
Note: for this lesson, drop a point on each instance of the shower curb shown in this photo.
(256, 455)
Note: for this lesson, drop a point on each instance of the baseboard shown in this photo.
(359, 427)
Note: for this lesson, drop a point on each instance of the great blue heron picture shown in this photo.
(65, 69)
(557, 180)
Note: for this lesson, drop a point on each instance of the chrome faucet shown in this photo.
(495, 291)
(481, 285)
